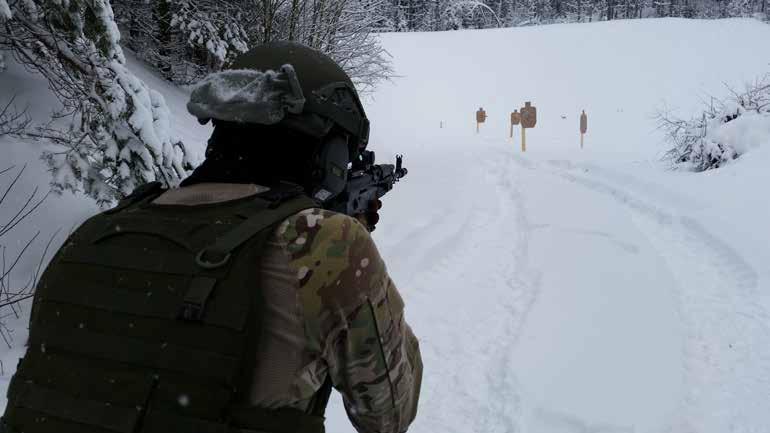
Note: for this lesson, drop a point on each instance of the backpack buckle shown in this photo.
(194, 303)
(205, 264)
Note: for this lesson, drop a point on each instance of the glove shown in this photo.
(370, 218)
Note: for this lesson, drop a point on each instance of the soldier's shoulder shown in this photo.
(334, 256)
(308, 231)
(310, 219)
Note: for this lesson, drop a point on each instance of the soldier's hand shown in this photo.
(371, 217)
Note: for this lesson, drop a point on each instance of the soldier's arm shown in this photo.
(375, 364)
(356, 315)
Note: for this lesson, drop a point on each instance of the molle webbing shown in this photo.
(129, 334)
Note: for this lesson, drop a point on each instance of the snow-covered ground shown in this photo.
(561, 290)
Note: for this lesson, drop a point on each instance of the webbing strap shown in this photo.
(157, 304)
(251, 420)
(196, 298)
(227, 341)
(131, 351)
(60, 405)
(276, 421)
(231, 240)
(138, 259)
(165, 422)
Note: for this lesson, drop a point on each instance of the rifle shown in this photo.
(367, 182)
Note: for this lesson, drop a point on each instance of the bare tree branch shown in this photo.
(12, 120)
(11, 296)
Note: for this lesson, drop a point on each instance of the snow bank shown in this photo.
(746, 133)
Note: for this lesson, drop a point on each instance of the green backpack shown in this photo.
(146, 321)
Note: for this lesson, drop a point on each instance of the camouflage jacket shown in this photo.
(331, 311)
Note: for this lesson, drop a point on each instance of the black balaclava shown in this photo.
(258, 154)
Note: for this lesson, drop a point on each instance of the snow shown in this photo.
(557, 290)
(103, 10)
(746, 133)
(5, 11)
(244, 95)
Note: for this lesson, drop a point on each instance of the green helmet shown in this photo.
(285, 83)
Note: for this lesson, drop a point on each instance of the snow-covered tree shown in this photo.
(527, 13)
(740, 8)
(463, 14)
(213, 27)
(401, 24)
(184, 39)
(532, 12)
(118, 134)
(340, 28)
(187, 39)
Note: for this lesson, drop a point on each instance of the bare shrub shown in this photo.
(696, 143)
(12, 291)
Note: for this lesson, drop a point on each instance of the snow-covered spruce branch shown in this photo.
(213, 26)
(118, 135)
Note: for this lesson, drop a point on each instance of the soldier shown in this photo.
(234, 303)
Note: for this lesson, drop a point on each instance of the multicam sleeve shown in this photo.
(356, 315)
(375, 363)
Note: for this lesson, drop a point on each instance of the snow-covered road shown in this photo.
(601, 350)
(558, 296)
(717, 318)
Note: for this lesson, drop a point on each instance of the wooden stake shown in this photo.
(581, 140)
(523, 139)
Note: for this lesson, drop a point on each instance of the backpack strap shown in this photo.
(218, 254)
(286, 420)
(140, 193)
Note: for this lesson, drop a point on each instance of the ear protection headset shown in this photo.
(332, 167)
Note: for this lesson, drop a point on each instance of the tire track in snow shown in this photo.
(474, 302)
(726, 352)
(523, 283)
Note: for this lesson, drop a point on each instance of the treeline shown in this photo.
(436, 15)
(186, 39)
